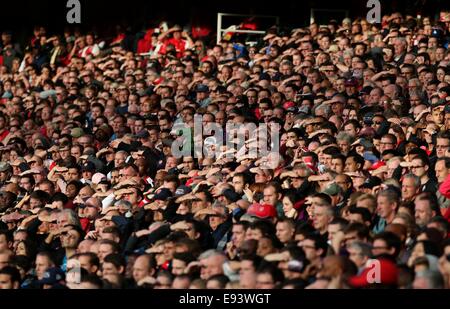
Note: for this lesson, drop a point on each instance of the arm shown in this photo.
(163, 35)
(444, 188)
(190, 42)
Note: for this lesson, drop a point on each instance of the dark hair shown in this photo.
(319, 243)
(116, 259)
(93, 258)
(271, 269)
(392, 241)
(221, 279)
(430, 247)
(362, 231)
(186, 257)
(340, 221)
(12, 272)
(113, 244)
(364, 212)
(8, 235)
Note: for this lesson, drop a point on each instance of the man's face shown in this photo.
(350, 165)
(357, 257)
(423, 212)
(104, 250)
(178, 267)
(215, 221)
(337, 166)
(4, 244)
(344, 146)
(69, 239)
(238, 235)
(320, 218)
(380, 247)
(72, 174)
(441, 171)
(132, 197)
(42, 264)
(384, 207)
(211, 266)
(140, 269)
(309, 248)
(85, 263)
(342, 182)
(26, 184)
(168, 250)
(238, 184)
(6, 283)
(386, 144)
(270, 196)
(409, 190)
(418, 168)
(442, 145)
(4, 175)
(391, 166)
(119, 159)
(264, 281)
(332, 230)
(109, 269)
(284, 232)
(188, 164)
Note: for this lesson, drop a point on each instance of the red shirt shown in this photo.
(4, 135)
(145, 44)
(180, 46)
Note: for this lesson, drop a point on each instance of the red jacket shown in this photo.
(444, 189)
(145, 44)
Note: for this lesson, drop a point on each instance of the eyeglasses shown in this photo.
(442, 146)
(379, 248)
(417, 166)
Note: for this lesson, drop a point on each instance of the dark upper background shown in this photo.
(20, 15)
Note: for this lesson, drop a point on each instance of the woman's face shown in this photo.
(21, 249)
(418, 250)
(287, 205)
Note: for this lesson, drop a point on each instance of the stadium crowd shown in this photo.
(94, 195)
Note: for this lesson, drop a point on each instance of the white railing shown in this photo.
(232, 29)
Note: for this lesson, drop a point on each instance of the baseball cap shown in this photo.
(388, 274)
(167, 142)
(97, 178)
(162, 195)
(288, 104)
(182, 190)
(4, 166)
(88, 167)
(332, 190)
(202, 88)
(143, 134)
(231, 195)
(365, 90)
(262, 211)
(351, 82)
(367, 144)
(371, 182)
(77, 132)
(369, 156)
